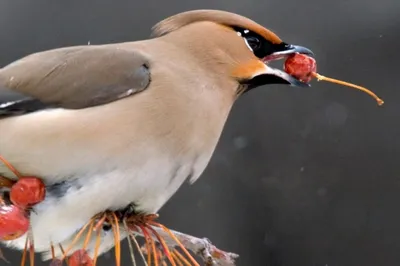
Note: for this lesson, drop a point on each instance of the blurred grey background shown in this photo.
(301, 177)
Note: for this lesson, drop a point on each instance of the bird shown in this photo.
(123, 125)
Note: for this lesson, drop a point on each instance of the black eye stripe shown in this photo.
(253, 42)
(260, 46)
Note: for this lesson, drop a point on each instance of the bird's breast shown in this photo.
(71, 204)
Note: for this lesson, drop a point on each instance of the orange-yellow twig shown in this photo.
(23, 260)
(31, 253)
(155, 253)
(181, 258)
(100, 222)
(132, 236)
(5, 182)
(88, 235)
(193, 261)
(348, 84)
(62, 249)
(117, 238)
(97, 247)
(130, 245)
(10, 167)
(53, 253)
(177, 259)
(76, 238)
(164, 245)
(148, 243)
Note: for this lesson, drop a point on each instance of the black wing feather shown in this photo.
(14, 103)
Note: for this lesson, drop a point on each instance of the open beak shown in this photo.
(280, 76)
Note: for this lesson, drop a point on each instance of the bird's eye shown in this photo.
(256, 43)
(253, 42)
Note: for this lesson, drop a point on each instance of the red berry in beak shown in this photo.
(301, 67)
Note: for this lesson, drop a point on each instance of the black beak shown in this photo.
(288, 49)
(276, 76)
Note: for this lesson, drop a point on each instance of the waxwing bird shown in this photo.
(120, 125)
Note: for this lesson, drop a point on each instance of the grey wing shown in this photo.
(72, 78)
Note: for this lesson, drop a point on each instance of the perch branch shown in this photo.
(210, 254)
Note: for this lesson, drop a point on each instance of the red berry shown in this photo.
(80, 258)
(27, 191)
(300, 66)
(13, 222)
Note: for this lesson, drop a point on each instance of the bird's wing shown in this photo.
(72, 78)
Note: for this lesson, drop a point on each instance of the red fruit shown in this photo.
(27, 191)
(301, 67)
(13, 222)
(80, 258)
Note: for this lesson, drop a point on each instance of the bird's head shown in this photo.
(233, 44)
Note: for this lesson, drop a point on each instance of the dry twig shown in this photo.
(210, 254)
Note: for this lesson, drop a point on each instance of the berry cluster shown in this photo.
(14, 215)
